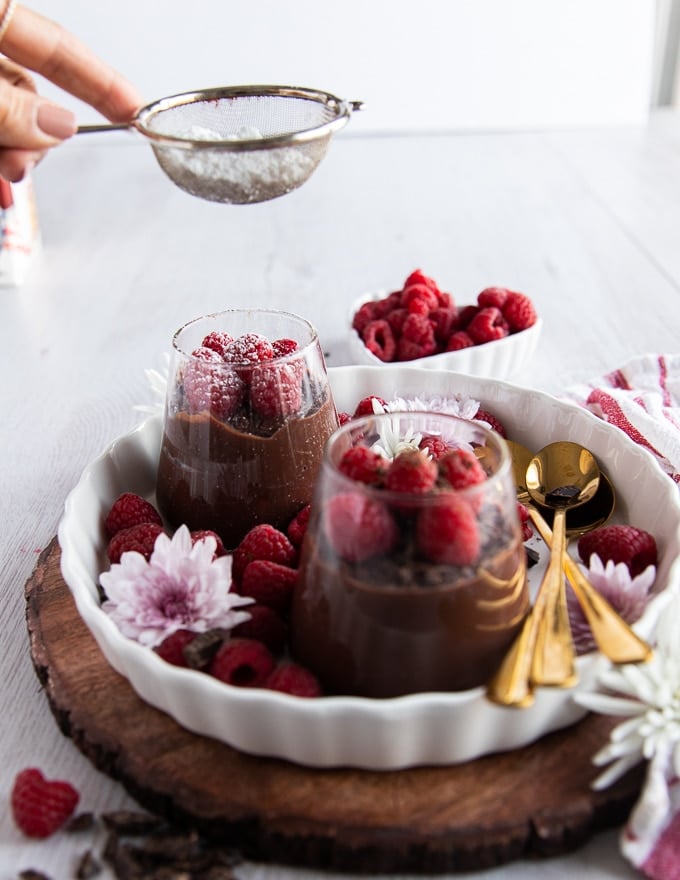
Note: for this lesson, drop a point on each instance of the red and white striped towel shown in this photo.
(643, 399)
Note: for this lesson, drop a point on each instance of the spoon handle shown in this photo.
(614, 637)
(553, 658)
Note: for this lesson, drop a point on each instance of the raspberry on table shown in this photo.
(461, 468)
(447, 531)
(218, 341)
(40, 806)
(264, 625)
(130, 509)
(379, 339)
(269, 583)
(263, 541)
(363, 464)
(365, 406)
(298, 526)
(140, 538)
(635, 547)
(171, 649)
(483, 415)
(292, 678)
(359, 528)
(518, 310)
(458, 341)
(412, 472)
(487, 325)
(242, 662)
(276, 390)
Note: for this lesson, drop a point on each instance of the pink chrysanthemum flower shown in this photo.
(628, 596)
(181, 587)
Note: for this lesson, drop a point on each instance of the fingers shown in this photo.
(16, 164)
(47, 48)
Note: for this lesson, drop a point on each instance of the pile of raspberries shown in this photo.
(264, 567)
(421, 320)
(226, 373)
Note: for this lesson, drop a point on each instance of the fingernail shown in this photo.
(56, 121)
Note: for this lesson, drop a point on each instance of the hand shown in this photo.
(30, 124)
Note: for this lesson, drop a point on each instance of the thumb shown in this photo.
(30, 122)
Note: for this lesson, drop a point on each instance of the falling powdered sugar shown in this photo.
(237, 176)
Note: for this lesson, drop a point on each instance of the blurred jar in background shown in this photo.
(19, 231)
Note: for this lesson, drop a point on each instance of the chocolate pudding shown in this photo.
(385, 629)
(222, 476)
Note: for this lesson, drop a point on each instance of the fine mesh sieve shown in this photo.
(240, 144)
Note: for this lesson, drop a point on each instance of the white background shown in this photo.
(426, 65)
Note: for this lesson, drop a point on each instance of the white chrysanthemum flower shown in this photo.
(182, 586)
(649, 695)
(627, 595)
(158, 381)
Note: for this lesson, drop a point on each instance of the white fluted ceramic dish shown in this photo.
(389, 734)
(500, 359)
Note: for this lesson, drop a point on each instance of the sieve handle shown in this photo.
(103, 126)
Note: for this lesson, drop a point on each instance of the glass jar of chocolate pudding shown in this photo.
(405, 589)
(248, 411)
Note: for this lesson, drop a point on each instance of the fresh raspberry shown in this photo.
(250, 348)
(264, 625)
(444, 322)
(171, 649)
(40, 806)
(461, 468)
(411, 472)
(419, 277)
(363, 316)
(269, 583)
(417, 338)
(379, 339)
(434, 446)
(140, 538)
(298, 526)
(363, 464)
(210, 386)
(365, 406)
(359, 528)
(620, 543)
(492, 296)
(291, 678)
(276, 390)
(343, 418)
(242, 662)
(262, 542)
(218, 341)
(396, 319)
(465, 315)
(519, 311)
(284, 347)
(388, 304)
(130, 510)
(524, 521)
(200, 534)
(483, 415)
(458, 341)
(419, 299)
(487, 325)
(447, 532)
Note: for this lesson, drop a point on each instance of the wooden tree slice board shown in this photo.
(535, 801)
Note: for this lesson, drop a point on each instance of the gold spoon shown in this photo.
(543, 651)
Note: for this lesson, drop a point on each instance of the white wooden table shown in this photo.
(586, 222)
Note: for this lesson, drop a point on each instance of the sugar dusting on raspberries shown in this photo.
(420, 320)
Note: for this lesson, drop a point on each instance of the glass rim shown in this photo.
(279, 313)
(504, 462)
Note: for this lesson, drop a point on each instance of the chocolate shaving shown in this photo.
(88, 866)
(80, 822)
(201, 649)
